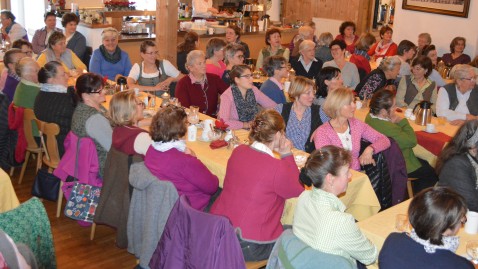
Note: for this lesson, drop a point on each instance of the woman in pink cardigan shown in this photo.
(257, 184)
(343, 130)
(239, 102)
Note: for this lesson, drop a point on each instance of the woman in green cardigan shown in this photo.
(384, 119)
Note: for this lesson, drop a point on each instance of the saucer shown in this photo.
(432, 132)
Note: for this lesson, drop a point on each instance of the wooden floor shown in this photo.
(72, 244)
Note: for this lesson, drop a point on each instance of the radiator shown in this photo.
(326, 25)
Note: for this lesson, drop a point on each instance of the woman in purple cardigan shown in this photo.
(169, 159)
(343, 130)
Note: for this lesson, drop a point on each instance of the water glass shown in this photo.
(193, 116)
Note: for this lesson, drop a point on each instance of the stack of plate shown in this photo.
(219, 29)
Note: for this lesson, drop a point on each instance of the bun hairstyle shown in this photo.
(327, 160)
(265, 125)
(48, 71)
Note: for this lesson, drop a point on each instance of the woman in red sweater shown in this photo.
(386, 46)
(257, 184)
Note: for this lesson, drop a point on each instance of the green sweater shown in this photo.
(25, 96)
(403, 134)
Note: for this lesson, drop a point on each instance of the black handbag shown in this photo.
(46, 185)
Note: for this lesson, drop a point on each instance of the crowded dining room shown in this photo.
(238, 134)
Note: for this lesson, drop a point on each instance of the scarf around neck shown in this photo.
(450, 243)
(382, 49)
(246, 107)
(180, 145)
(47, 87)
(111, 58)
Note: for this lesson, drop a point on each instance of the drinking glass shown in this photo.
(472, 250)
(193, 116)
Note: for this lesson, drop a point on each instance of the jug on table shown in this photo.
(423, 114)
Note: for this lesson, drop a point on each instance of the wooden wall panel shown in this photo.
(358, 11)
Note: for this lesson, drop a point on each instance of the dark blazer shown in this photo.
(300, 70)
(77, 44)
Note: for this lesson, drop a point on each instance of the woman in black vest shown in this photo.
(301, 115)
(152, 74)
(417, 87)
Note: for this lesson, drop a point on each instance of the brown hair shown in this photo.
(299, 86)
(435, 210)
(19, 43)
(336, 100)
(381, 99)
(236, 29)
(86, 83)
(265, 125)
(346, 24)
(425, 62)
(454, 42)
(69, 17)
(326, 160)
(385, 29)
(213, 45)
(54, 38)
(9, 55)
(237, 71)
(168, 124)
(145, 45)
(365, 41)
(189, 43)
(271, 32)
(123, 108)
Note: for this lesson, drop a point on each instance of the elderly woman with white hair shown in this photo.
(383, 76)
(28, 88)
(306, 65)
(349, 70)
(199, 88)
(109, 60)
(234, 55)
(458, 101)
(276, 69)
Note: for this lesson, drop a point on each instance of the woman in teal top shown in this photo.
(382, 117)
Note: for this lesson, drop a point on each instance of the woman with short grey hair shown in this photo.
(199, 88)
(276, 69)
(215, 56)
(383, 76)
(234, 55)
(306, 64)
(322, 50)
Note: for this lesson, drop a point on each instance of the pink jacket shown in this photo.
(210, 68)
(88, 166)
(326, 135)
(228, 110)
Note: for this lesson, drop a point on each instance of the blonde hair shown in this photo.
(110, 31)
(306, 32)
(300, 85)
(336, 100)
(265, 125)
(123, 108)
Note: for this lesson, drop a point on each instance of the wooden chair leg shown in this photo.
(93, 230)
(12, 169)
(410, 188)
(60, 199)
(24, 166)
(39, 160)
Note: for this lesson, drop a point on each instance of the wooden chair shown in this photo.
(256, 265)
(409, 187)
(32, 146)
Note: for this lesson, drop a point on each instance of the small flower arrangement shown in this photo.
(91, 16)
(220, 126)
(119, 5)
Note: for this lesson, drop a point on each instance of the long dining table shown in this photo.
(378, 227)
(360, 198)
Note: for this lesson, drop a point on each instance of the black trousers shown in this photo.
(425, 175)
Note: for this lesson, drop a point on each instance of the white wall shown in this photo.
(409, 24)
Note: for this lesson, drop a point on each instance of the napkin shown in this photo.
(218, 144)
(432, 142)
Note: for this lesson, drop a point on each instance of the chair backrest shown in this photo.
(29, 119)
(50, 130)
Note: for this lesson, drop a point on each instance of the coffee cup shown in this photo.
(430, 127)
(471, 225)
(408, 112)
(210, 31)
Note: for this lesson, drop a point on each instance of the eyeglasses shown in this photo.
(240, 56)
(470, 79)
(98, 92)
(152, 53)
(246, 76)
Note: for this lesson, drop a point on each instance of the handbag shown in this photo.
(84, 198)
(46, 185)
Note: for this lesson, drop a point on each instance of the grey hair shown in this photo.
(109, 31)
(213, 45)
(389, 63)
(325, 39)
(193, 56)
(231, 50)
(306, 32)
(461, 71)
(306, 44)
(26, 66)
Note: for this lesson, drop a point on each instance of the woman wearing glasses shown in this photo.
(276, 69)
(125, 113)
(152, 74)
(56, 101)
(239, 103)
(234, 55)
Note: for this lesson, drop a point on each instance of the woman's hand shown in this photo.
(366, 157)
(163, 85)
(190, 152)
(285, 146)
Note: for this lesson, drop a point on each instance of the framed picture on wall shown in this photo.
(458, 8)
